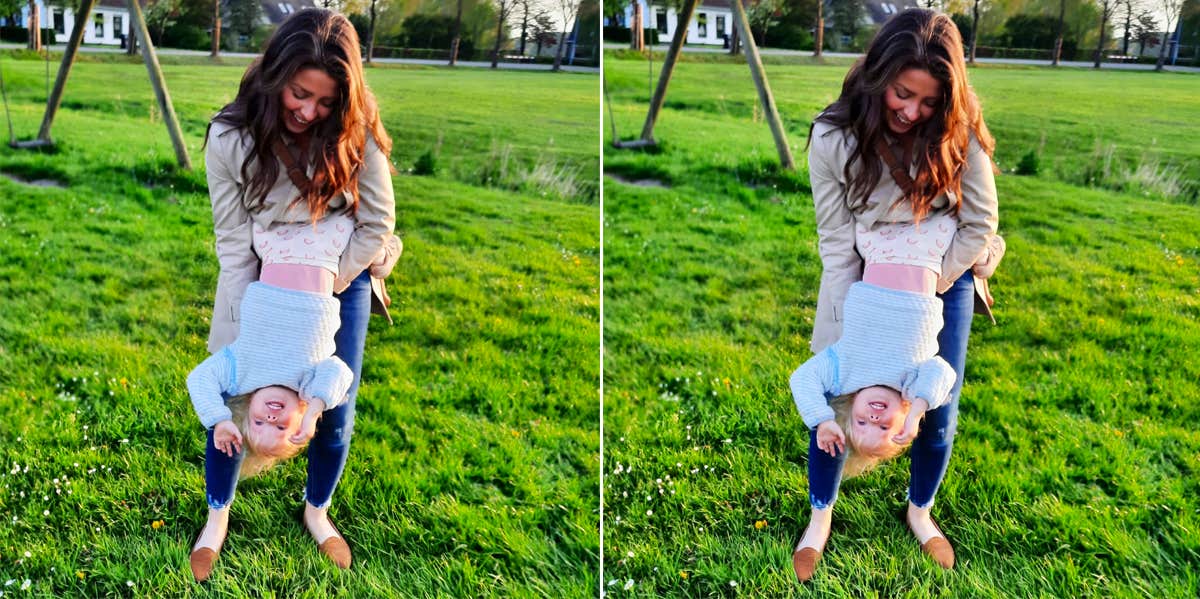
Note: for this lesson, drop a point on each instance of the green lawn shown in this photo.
(1076, 470)
(475, 464)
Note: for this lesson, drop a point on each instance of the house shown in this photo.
(711, 24)
(110, 19)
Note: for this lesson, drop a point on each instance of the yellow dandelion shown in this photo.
(683, 574)
(1119, 433)
(726, 381)
(157, 524)
(577, 261)
(516, 433)
(761, 524)
(80, 575)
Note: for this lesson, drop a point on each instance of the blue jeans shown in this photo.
(930, 451)
(329, 447)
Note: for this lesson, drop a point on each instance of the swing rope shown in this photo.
(7, 115)
(12, 137)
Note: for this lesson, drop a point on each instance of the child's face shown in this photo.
(275, 414)
(876, 416)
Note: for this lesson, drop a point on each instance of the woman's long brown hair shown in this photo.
(310, 38)
(922, 39)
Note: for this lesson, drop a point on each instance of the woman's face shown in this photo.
(911, 99)
(308, 98)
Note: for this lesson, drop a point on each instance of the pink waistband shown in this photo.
(902, 277)
(299, 277)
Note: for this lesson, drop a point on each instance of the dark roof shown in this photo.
(120, 3)
(274, 10)
(882, 10)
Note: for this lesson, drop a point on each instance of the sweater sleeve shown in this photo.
(841, 265)
(930, 380)
(207, 382)
(977, 218)
(375, 217)
(810, 382)
(328, 380)
(232, 228)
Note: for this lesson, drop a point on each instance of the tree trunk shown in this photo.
(1128, 19)
(499, 39)
(457, 37)
(637, 40)
(1058, 40)
(371, 34)
(35, 27)
(975, 32)
(1100, 44)
(1162, 48)
(819, 37)
(562, 44)
(216, 33)
(524, 26)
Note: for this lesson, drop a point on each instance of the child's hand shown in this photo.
(830, 438)
(308, 426)
(912, 422)
(227, 438)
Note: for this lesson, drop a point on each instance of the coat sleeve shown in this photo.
(207, 382)
(977, 218)
(232, 228)
(810, 382)
(841, 265)
(375, 218)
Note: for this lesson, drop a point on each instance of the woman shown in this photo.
(907, 96)
(302, 139)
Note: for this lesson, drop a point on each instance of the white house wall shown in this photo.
(711, 35)
(114, 24)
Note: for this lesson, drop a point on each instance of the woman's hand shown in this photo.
(308, 426)
(227, 438)
(830, 438)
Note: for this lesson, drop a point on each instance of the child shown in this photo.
(883, 372)
(284, 351)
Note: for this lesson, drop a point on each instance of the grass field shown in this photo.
(475, 464)
(1076, 470)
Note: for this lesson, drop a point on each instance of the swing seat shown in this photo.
(636, 143)
(30, 144)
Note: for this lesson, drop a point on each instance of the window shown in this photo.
(661, 19)
(98, 24)
(721, 26)
(117, 25)
(702, 24)
(59, 25)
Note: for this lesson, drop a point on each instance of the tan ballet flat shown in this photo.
(938, 548)
(804, 562)
(336, 548)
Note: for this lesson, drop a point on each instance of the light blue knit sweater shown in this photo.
(889, 338)
(286, 339)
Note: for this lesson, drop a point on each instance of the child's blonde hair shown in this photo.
(256, 459)
(860, 460)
